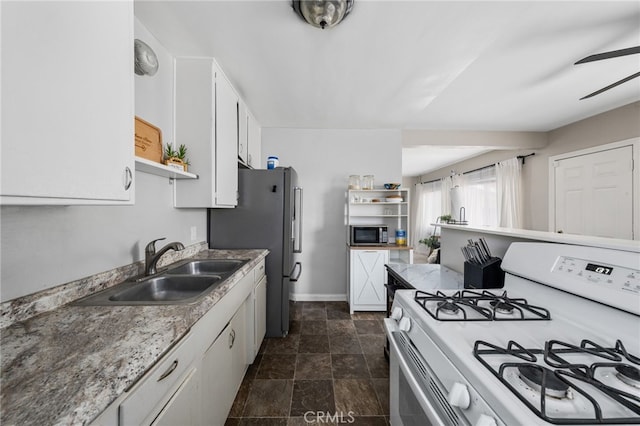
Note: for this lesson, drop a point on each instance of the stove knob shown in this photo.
(459, 396)
(396, 313)
(405, 324)
(485, 420)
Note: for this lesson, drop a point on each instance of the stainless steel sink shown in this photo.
(158, 290)
(167, 289)
(208, 266)
(183, 282)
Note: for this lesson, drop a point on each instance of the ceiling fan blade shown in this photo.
(608, 55)
(611, 86)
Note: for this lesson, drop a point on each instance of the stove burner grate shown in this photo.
(469, 305)
(568, 378)
(452, 308)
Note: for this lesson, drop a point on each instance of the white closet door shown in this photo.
(594, 194)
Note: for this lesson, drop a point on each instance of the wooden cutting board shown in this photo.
(148, 141)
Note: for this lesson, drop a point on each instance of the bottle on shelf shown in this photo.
(367, 182)
(354, 182)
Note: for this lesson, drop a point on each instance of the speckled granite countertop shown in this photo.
(67, 366)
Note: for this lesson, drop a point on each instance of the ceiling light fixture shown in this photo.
(323, 13)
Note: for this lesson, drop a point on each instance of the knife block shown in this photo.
(484, 276)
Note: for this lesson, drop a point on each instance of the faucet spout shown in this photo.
(151, 257)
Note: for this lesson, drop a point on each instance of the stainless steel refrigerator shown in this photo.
(268, 215)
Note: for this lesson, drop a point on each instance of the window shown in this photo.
(480, 200)
(428, 210)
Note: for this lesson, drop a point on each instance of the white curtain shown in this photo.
(445, 204)
(428, 209)
(480, 200)
(509, 193)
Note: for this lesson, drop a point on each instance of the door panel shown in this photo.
(594, 194)
(370, 275)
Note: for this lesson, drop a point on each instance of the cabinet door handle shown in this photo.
(232, 338)
(170, 370)
(128, 178)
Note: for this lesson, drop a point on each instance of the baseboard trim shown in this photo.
(301, 297)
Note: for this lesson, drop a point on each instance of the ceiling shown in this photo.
(445, 65)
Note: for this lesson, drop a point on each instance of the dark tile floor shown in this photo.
(330, 369)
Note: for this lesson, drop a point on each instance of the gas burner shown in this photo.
(448, 306)
(535, 375)
(629, 375)
(581, 391)
(502, 307)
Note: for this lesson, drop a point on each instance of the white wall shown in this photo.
(42, 247)
(324, 159)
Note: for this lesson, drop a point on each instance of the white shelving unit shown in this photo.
(368, 207)
(148, 166)
(367, 274)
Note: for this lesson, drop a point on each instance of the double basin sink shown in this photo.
(183, 282)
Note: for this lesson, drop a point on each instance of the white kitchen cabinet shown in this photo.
(224, 365)
(217, 380)
(243, 132)
(367, 277)
(67, 103)
(240, 340)
(206, 121)
(249, 137)
(255, 141)
(260, 318)
(162, 387)
(256, 314)
(181, 408)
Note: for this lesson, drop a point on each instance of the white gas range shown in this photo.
(559, 344)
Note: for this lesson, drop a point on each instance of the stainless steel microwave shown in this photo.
(368, 235)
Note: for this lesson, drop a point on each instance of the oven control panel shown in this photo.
(598, 273)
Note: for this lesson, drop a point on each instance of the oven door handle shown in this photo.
(414, 382)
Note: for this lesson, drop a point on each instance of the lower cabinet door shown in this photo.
(182, 408)
(260, 325)
(368, 278)
(217, 380)
(239, 343)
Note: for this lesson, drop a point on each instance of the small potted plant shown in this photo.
(176, 158)
(433, 242)
(445, 218)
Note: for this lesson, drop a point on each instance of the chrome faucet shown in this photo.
(151, 257)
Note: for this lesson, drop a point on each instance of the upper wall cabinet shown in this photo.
(249, 142)
(243, 132)
(254, 141)
(206, 121)
(67, 103)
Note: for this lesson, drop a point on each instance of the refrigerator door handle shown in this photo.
(297, 220)
(299, 266)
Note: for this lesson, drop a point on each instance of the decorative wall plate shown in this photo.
(146, 61)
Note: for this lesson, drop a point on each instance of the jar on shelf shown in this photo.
(367, 182)
(354, 182)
